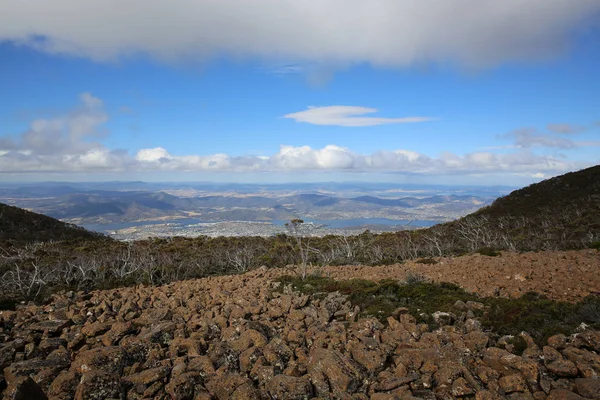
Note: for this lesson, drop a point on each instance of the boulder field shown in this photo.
(235, 337)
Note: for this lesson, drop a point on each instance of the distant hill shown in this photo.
(559, 213)
(21, 225)
(580, 189)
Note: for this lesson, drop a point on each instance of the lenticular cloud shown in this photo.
(392, 33)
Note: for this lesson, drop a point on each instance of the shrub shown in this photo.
(413, 278)
(426, 261)
(488, 251)
(532, 313)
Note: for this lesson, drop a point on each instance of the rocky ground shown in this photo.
(233, 337)
(559, 275)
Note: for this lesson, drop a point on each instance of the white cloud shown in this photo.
(346, 116)
(381, 32)
(152, 155)
(530, 137)
(565, 128)
(65, 144)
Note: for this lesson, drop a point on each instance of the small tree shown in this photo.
(294, 228)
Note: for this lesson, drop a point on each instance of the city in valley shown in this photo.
(137, 210)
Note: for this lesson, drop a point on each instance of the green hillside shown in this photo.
(21, 225)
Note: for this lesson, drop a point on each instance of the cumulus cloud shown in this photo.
(67, 142)
(381, 32)
(338, 158)
(347, 116)
(71, 143)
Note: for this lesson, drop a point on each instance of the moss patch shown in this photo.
(532, 313)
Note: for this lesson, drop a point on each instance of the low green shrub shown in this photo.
(488, 251)
(532, 313)
(426, 261)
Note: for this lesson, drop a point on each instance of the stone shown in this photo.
(110, 359)
(460, 388)
(447, 373)
(50, 344)
(117, 332)
(289, 387)
(64, 386)
(51, 327)
(224, 387)
(589, 339)
(513, 383)
(563, 368)
(185, 385)
(562, 394)
(96, 328)
(472, 325)
(588, 387)
(24, 388)
(32, 367)
(443, 318)
(277, 353)
(7, 354)
(98, 385)
(329, 369)
(392, 382)
(558, 341)
(147, 377)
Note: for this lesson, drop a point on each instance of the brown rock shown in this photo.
(539, 395)
(589, 340)
(52, 327)
(183, 386)
(245, 391)
(98, 385)
(370, 357)
(563, 368)
(110, 359)
(160, 333)
(447, 373)
(201, 364)
(147, 377)
(7, 354)
(224, 387)
(392, 382)
(487, 395)
(50, 344)
(562, 394)
(249, 338)
(329, 369)
(222, 355)
(117, 332)
(384, 396)
(558, 341)
(248, 358)
(588, 387)
(96, 328)
(289, 387)
(64, 386)
(31, 368)
(513, 383)
(461, 388)
(587, 362)
(186, 346)
(277, 353)
(24, 388)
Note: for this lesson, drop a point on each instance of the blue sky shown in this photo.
(392, 91)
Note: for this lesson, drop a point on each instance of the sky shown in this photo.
(441, 91)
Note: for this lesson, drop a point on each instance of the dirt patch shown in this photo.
(559, 275)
